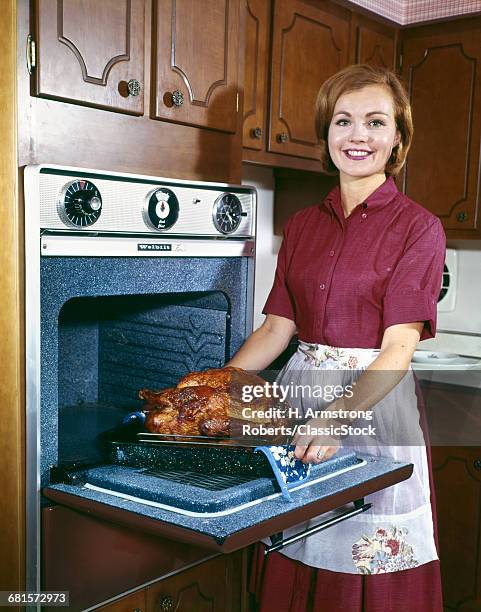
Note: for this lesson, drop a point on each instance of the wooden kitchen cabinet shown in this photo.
(196, 50)
(111, 559)
(442, 72)
(91, 52)
(215, 586)
(256, 84)
(309, 44)
(453, 412)
(457, 478)
(76, 107)
(375, 43)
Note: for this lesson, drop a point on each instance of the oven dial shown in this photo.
(161, 209)
(227, 213)
(80, 203)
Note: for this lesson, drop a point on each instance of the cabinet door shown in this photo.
(204, 588)
(308, 46)
(197, 57)
(257, 26)
(457, 477)
(89, 51)
(375, 43)
(442, 72)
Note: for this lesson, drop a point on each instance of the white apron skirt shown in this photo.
(396, 533)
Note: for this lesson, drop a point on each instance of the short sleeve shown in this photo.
(414, 287)
(279, 301)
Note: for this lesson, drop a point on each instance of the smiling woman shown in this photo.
(366, 110)
(357, 278)
(360, 139)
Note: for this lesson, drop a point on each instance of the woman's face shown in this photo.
(362, 132)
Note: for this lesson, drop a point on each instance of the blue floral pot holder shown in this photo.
(288, 470)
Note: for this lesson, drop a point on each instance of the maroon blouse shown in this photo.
(344, 281)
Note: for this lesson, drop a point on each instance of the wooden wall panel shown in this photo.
(11, 352)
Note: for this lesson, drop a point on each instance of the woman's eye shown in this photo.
(376, 123)
(342, 122)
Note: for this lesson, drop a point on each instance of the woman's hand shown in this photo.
(314, 448)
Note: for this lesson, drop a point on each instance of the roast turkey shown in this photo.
(208, 403)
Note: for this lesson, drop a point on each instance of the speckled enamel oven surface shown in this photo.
(134, 481)
(223, 526)
(220, 459)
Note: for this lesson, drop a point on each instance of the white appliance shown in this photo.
(454, 355)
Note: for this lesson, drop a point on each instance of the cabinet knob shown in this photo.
(177, 98)
(257, 133)
(477, 464)
(282, 137)
(166, 603)
(462, 216)
(134, 87)
(137, 610)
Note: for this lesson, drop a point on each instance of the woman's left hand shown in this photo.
(311, 448)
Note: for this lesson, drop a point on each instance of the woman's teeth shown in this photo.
(353, 154)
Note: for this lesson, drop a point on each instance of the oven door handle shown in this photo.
(278, 542)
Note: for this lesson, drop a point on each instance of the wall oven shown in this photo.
(131, 281)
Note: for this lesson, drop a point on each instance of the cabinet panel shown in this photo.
(197, 57)
(376, 44)
(458, 495)
(257, 28)
(88, 51)
(442, 71)
(204, 588)
(309, 45)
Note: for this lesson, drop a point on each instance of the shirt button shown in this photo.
(322, 286)
(331, 253)
(364, 215)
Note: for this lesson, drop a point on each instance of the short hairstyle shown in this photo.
(350, 79)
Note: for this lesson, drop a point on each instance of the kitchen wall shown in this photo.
(262, 178)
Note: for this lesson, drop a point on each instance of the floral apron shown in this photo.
(396, 533)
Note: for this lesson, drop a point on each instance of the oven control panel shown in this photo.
(121, 203)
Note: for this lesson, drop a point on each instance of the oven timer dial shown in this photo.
(161, 209)
(227, 213)
(80, 203)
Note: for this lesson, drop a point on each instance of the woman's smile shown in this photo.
(357, 154)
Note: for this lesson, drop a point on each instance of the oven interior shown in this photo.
(110, 347)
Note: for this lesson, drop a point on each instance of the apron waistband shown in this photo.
(351, 358)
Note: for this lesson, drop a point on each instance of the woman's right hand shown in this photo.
(312, 448)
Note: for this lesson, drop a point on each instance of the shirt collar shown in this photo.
(380, 197)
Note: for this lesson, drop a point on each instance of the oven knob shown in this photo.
(80, 203)
(161, 209)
